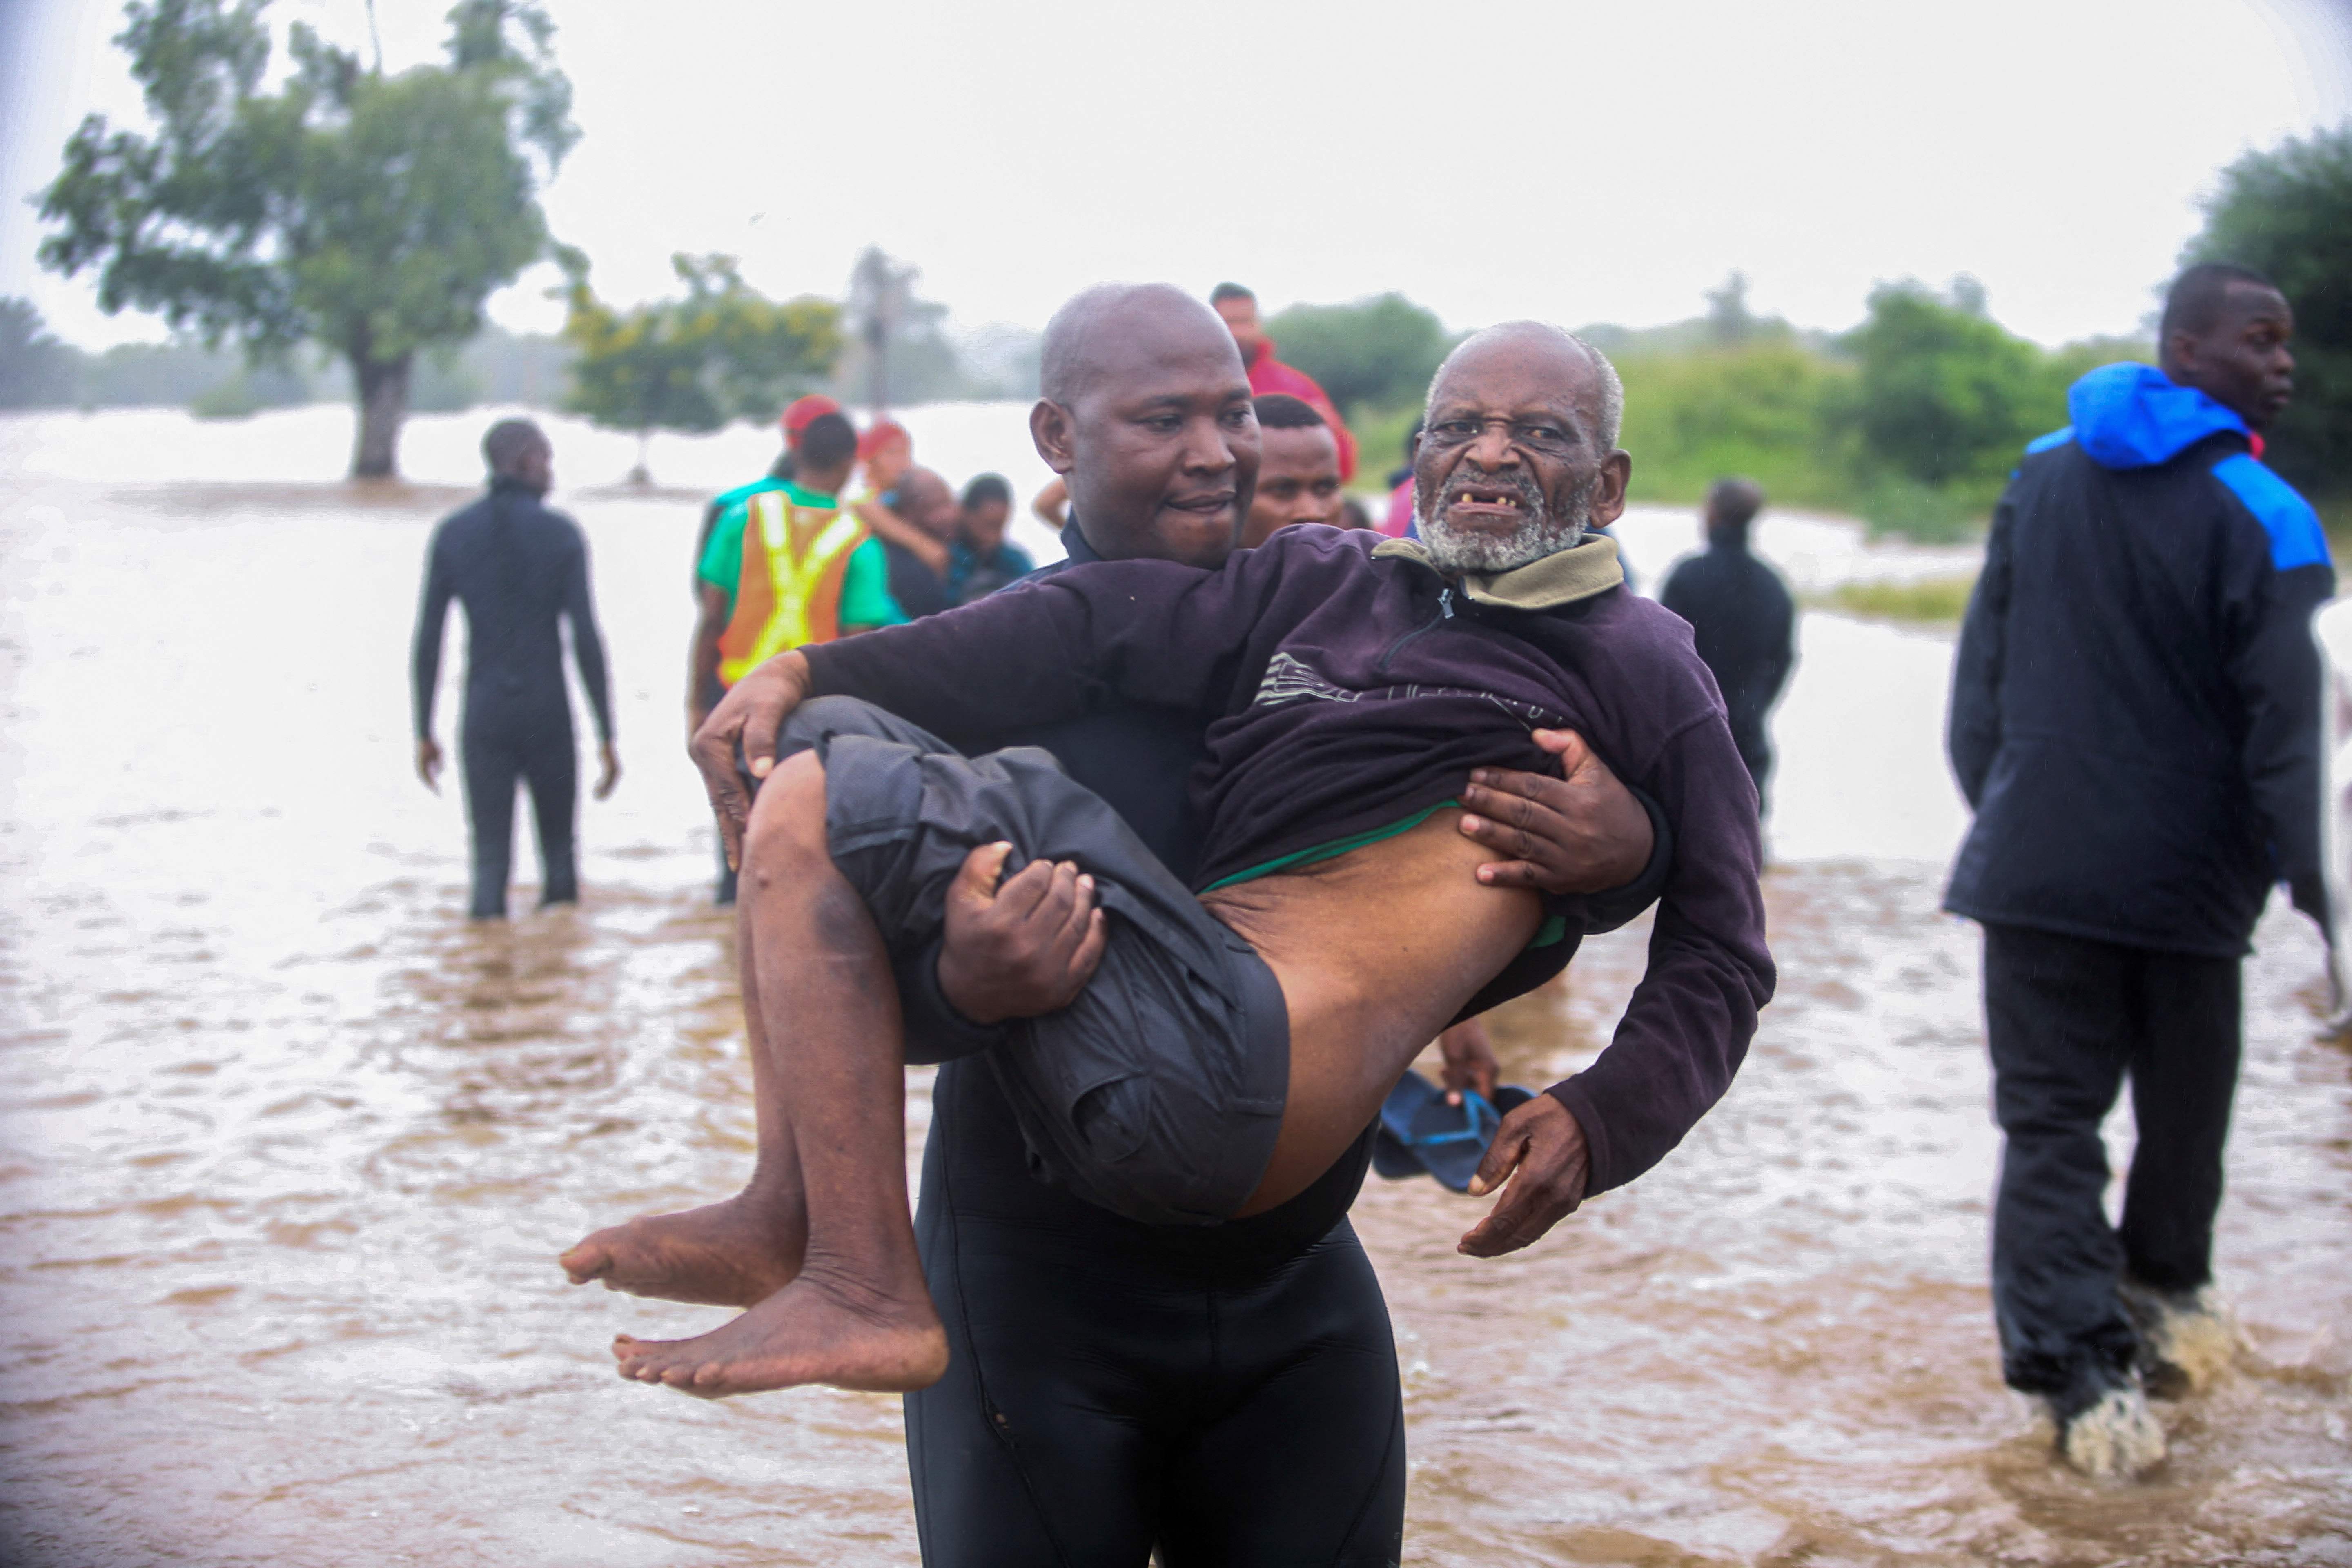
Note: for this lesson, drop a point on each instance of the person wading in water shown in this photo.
(518, 569)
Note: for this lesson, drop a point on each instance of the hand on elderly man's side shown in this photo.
(1582, 833)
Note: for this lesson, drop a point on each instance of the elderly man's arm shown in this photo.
(1687, 1031)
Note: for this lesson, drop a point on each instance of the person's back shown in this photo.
(2135, 720)
(2135, 712)
(1742, 619)
(512, 561)
(520, 569)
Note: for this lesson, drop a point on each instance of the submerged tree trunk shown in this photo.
(383, 403)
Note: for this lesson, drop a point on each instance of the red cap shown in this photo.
(800, 410)
(878, 433)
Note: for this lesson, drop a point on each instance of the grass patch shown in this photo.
(1380, 435)
(1929, 601)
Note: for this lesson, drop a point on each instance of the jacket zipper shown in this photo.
(1444, 612)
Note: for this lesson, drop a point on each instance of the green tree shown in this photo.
(1943, 394)
(1760, 410)
(371, 214)
(2288, 213)
(726, 352)
(1377, 352)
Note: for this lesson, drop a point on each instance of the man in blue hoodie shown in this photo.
(2134, 721)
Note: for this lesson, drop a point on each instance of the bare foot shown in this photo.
(733, 1254)
(810, 1331)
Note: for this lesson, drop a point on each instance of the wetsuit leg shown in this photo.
(1037, 1447)
(1108, 1386)
(551, 763)
(2183, 1076)
(2061, 1017)
(491, 762)
(1306, 1462)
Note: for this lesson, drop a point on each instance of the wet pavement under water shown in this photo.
(286, 1147)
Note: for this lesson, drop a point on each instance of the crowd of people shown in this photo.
(1128, 844)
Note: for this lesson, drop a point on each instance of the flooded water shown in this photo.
(286, 1147)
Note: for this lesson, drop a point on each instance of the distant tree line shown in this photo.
(1914, 418)
(38, 371)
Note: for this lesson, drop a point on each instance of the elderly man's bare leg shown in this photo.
(737, 1253)
(858, 1314)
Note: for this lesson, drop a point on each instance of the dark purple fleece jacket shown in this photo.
(1343, 692)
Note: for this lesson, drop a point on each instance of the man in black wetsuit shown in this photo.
(1228, 1394)
(1742, 618)
(519, 568)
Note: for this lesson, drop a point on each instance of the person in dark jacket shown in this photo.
(1111, 1384)
(2135, 713)
(927, 505)
(983, 560)
(1741, 617)
(518, 569)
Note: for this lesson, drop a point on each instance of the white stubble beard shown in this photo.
(1538, 535)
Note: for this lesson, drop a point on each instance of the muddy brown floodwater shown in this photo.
(286, 1147)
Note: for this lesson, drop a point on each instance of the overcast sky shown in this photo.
(1572, 161)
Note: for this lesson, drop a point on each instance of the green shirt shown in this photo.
(865, 598)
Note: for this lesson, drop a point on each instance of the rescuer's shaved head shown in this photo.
(1145, 415)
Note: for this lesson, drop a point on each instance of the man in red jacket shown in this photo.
(1238, 306)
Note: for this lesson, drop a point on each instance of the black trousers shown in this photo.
(497, 750)
(1106, 1393)
(2068, 1019)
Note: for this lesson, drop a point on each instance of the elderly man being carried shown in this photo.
(1224, 1046)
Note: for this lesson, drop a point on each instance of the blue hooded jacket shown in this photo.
(2136, 701)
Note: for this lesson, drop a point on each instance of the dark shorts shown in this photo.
(1157, 1094)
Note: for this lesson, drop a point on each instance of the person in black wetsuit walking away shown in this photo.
(1742, 618)
(519, 568)
(2136, 722)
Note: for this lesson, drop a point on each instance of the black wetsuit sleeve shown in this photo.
(1973, 735)
(1054, 647)
(432, 616)
(587, 642)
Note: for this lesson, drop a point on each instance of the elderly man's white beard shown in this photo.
(1539, 534)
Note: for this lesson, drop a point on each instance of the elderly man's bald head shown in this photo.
(1564, 349)
(1145, 414)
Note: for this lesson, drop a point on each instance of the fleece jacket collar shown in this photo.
(1584, 569)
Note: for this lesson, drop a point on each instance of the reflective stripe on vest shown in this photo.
(789, 593)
